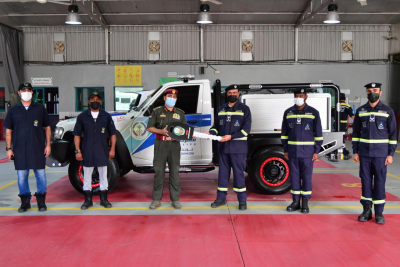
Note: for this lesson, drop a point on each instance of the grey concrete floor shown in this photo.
(9, 200)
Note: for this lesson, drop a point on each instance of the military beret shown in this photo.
(232, 87)
(95, 94)
(342, 96)
(25, 85)
(373, 85)
(299, 91)
(171, 91)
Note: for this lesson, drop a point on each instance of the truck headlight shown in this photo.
(58, 133)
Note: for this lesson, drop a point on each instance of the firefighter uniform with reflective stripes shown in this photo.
(301, 138)
(345, 112)
(234, 121)
(374, 138)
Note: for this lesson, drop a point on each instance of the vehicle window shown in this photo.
(125, 100)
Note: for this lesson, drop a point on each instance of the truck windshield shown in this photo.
(147, 99)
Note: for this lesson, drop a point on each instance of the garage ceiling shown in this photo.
(156, 12)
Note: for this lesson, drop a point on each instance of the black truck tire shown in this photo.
(75, 173)
(269, 171)
(123, 172)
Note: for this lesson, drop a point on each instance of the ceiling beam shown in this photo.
(90, 8)
(314, 12)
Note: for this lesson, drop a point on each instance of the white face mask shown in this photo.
(299, 101)
(26, 96)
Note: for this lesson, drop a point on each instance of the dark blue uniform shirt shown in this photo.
(94, 143)
(234, 121)
(374, 131)
(28, 137)
(345, 111)
(301, 132)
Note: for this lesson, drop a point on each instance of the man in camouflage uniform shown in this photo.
(166, 150)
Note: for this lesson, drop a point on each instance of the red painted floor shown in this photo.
(199, 240)
(322, 164)
(202, 187)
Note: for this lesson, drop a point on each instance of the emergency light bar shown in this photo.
(186, 77)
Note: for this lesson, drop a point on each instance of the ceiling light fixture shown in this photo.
(73, 17)
(332, 17)
(42, 1)
(204, 16)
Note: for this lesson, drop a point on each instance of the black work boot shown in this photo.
(366, 215)
(25, 202)
(242, 205)
(304, 206)
(217, 203)
(88, 200)
(294, 206)
(41, 199)
(379, 219)
(103, 199)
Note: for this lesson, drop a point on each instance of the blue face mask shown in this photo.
(170, 102)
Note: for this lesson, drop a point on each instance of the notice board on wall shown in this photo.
(128, 75)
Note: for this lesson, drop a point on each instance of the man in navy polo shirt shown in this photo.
(28, 137)
(96, 126)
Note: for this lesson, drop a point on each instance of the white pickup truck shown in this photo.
(266, 165)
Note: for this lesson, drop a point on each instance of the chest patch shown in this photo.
(298, 120)
(176, 116)
(372, 118)
(103, 130)
(221, 122)
(307, 127)
(290, 125)
(237, 124)
(35, 123)
(228, 118)
(381, 125)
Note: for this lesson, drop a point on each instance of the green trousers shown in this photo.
(166, 152)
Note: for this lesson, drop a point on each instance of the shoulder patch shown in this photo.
(180, 110)
(157, 108)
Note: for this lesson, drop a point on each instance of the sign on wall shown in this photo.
(42, 81)
(128, 75)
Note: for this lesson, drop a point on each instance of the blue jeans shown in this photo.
(23, 183)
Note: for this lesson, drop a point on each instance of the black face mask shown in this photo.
(94, 105)
(373, 97)
(232, 98)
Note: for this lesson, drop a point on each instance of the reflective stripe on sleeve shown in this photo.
(222, 189)
(213, 129)
(241, 138)
(318, 138)
(393, 142)
(356, 139)
(284, 137)
(300, 143)
(244, 132)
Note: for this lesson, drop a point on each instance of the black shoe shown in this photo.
(25, 202)
(304, 206)
(41, 199)
(347, 157)
(294, 206)
(217, 203)
(379, 219)
(242, 205)
(88, 200)
(366, 215)
(103, 199)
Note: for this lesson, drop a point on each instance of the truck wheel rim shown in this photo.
(81, 177)
(274, 171)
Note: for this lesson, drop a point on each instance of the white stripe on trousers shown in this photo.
(87, 178)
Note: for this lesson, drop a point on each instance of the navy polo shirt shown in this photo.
(28, 137)
(94, 145)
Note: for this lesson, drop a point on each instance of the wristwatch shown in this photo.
(78, 151)
(8, 148)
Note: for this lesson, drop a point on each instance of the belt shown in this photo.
(163, 137)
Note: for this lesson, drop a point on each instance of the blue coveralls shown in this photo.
(345, 111)
(235, 121)
(301, 138)
(374, 138)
